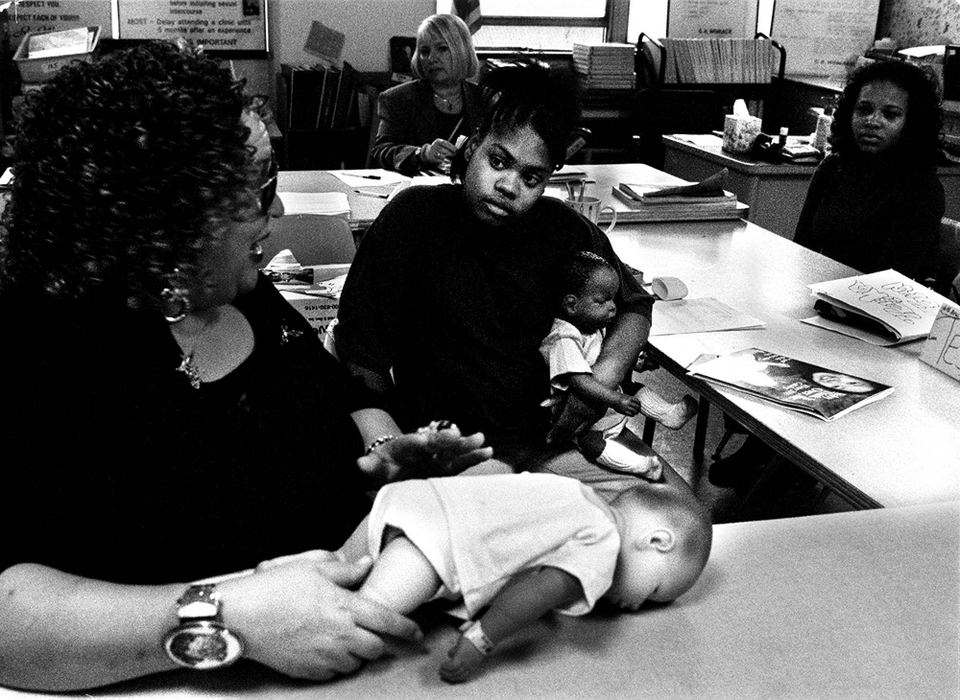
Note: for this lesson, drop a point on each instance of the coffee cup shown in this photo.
(591, 207)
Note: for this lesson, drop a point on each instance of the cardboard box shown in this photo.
(942, 347)
(39, 70)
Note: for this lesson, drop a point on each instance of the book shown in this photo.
(807, 388)
(881, 308)
(709, 190)
(678, 211)
(942, 347)
(650, 195)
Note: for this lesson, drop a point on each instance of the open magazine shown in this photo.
(800, 386)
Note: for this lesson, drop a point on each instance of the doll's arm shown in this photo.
(527, 597)
(589, 389)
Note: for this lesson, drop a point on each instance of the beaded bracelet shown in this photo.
(382, 440)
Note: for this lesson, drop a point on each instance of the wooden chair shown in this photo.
(312, 238)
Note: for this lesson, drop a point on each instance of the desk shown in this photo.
(902, 450)
(857, 604)
(363, 209)
(774, 192)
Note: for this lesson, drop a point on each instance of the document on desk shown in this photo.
(701, 315)
(368, 178)
(327, 203)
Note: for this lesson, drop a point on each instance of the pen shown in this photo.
(456, 128)
(368, 177)
(372, 194)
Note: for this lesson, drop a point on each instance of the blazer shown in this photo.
(408, 119)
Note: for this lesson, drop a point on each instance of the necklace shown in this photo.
(188, 365)
(446, 105)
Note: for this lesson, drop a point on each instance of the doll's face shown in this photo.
(644, 572)
(842, 382)
(879, 116)
(652, 564)
(593, 308)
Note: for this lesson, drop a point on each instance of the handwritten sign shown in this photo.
(905, 308)
(218, 25)
(942, 349)
(712, 19)
(822, 37)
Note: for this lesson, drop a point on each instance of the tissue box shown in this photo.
(739, 133)
(319, 311)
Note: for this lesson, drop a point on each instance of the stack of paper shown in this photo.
(327, 203)
(63, 43)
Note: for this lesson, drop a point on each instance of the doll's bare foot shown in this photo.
(461, 663)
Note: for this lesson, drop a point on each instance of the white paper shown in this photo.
(329, 203)
(368, 178)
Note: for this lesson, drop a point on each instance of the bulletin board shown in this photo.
(712, 19)
(237, 27)
(53, 15)
(822, 37)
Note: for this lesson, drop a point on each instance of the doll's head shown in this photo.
(587, 287)
(665, 538)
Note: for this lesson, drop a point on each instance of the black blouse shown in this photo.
(117, 469)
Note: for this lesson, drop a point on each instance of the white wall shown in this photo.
(366, 24)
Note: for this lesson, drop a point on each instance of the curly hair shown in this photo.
(527, 94)
(454, 32)
(123, 169)
(919, 144)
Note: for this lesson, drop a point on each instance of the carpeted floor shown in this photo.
(788, 493)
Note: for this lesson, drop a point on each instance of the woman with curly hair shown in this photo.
(170, 416)
(876, 202)
(420, 119)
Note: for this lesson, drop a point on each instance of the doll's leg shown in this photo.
(668, 414)
(612, 454)
(402, 578)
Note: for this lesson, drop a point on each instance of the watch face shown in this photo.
(203, 645)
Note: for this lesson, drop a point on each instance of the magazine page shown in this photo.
(800, 386)
(905, 307)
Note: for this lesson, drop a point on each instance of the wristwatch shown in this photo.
(201, 641)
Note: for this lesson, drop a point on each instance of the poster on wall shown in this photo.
(822, 38)
(712, 19)
(53, 15)
(219, 25)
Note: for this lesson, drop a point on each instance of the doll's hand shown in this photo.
(462, 660)
(628, 405)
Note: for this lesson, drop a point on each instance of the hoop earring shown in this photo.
(176, 303)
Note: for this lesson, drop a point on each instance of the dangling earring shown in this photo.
(176, 303)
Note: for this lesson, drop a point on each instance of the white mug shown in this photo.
(591, 207)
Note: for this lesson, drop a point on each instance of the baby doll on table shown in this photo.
(587, 288)
(520, 545)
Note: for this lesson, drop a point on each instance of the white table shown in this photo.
(902, 450)
(863, 604)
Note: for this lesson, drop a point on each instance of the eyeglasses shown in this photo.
(268, 190)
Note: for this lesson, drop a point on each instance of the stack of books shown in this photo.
(318, 97)
(703, 200)
(605, 65)
(718, 61)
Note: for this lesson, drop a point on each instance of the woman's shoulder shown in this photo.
(404, 91)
